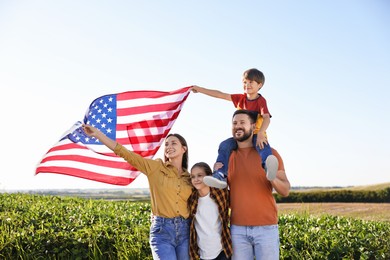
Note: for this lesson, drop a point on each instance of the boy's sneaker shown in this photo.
(271, 167)
(214, 182)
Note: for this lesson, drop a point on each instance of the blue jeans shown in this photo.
(251, 241)
(225, 149)
(169, 238)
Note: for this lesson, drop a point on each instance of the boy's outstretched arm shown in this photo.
(211, 93)
(94, 132)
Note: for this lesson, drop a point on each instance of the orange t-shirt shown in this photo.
(251, 199)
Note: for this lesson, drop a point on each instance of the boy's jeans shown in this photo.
(225, 149)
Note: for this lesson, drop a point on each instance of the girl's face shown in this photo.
(173, 147)
(197, 174)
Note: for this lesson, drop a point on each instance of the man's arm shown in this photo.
(281, 184)
(211, 93)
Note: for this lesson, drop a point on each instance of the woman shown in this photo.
(169, 191)
(209, 210)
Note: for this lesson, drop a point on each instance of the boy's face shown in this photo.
(251, 86)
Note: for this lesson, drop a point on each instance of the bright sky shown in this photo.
(326, 63)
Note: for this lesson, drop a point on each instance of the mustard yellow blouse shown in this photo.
(168, 192)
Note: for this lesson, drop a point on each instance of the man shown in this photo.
(254, 217)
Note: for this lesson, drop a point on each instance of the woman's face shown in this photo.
(173, 147)
(197, 174)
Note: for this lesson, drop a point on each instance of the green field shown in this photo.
(57, 227)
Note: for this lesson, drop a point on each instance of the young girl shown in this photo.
(170, 188)
(209, 209)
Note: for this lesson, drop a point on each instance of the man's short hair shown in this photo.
(252, 115)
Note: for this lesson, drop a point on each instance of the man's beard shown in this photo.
(244, 137)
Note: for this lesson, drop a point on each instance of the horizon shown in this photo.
(121, 188)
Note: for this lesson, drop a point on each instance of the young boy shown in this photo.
(253, 81)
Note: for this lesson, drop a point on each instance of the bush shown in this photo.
(331, 237)
(52, 227)
(343, 195)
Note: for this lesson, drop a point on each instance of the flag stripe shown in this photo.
(162, 120)
(142, 94)
(89, 175)
(155, 108)
(88, 160)
(92, 167)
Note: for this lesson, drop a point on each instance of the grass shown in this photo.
(373, 187)
(364, 211)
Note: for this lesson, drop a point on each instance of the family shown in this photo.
(225, 213)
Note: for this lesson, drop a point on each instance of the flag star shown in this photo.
(96, 107)
(103, 125)
(97, 140)
(109, 120)
(101, 101)
(105, 105)
(109, 130)
(99, 111)
(98, 120)
(109, 109)
(110, 99)
(104, 115)
(93, 116)
(87, 139)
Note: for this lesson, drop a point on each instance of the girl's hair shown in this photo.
(184, 162)
(254, 74)
(204, 166)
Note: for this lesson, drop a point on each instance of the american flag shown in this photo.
(139, 120)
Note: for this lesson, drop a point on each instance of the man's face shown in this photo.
(242, 128)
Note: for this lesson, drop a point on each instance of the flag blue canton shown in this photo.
(102, 115)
